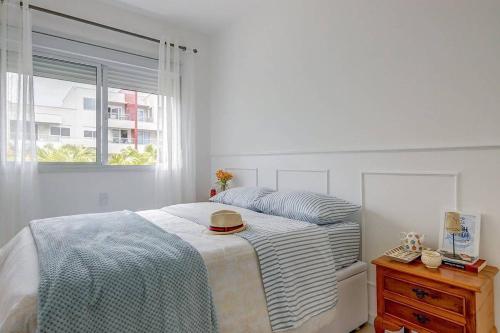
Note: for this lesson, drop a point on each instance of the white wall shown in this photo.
(78, 192)
(368, 86)
(358, 74)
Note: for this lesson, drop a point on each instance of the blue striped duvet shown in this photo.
(345, 238)
(297, 267)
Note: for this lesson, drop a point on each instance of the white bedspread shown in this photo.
(231, 262)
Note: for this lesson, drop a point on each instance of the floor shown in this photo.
(366, 329)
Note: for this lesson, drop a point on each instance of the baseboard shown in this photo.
(371, 318)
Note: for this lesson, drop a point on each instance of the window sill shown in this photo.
(91, 167)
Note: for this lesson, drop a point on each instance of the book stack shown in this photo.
(464, 262)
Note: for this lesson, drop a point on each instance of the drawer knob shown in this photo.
(422, 319)
(421, 294)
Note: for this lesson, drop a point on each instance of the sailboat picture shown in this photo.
(466, 239)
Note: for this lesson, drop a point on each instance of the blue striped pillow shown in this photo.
(245, 197)
(307, 206)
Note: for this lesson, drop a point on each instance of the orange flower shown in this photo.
(223, 176)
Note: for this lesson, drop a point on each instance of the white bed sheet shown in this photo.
(232, 268)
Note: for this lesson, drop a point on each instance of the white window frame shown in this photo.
(146, 112)
(60, 131)
(101, 121)
(143, 133)
(50, 131)
(93, 131)
(119, 111)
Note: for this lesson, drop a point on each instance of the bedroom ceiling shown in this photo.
(207, 16)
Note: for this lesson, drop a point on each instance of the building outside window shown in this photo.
(115, 135)
(145, 114)
(117, 112)
(89, 134)
(64, 92)
(60, 131)
(120, 136)
(145, 137)
(89, 103)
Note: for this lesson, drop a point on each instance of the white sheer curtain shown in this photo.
(17, 120)
(175, 175)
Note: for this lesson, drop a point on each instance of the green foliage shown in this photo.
(82, 154)
(66, 153)
(131, 156)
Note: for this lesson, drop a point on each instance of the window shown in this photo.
(89, 134)
(134, 145)
(124, 136)
(117, 112)
(89, 103)
(122, 128)
(60, 131)
(144, 114)
(55, 131)
(115, 136)
(146, 137)
(61, 90)
(120, 136)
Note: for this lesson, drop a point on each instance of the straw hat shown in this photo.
(224, 222)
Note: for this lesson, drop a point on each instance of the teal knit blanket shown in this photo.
(119, 273)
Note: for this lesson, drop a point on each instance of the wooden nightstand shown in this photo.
(443, 300)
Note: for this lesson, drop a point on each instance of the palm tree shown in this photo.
(131, 156)
(66, 153)
(82, 154)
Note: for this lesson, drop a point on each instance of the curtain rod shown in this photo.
(100, 25)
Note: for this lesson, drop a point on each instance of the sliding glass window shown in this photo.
(93, 112)
(132, 108)
(65, 98)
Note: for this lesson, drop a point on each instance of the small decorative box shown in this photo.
(399, 254)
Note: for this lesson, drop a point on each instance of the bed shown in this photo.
(233, 276)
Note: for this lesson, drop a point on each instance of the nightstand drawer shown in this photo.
(420, 318)
(424, 294)
(433, 301)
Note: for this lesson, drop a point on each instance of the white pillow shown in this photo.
(307, 206)
(245, 197)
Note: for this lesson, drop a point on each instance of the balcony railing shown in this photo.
(67, 139)
(126, 116)
(121, 116)
(130, 141)
(146, 119)
(121, 140)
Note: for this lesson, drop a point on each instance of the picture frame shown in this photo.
(467, 242)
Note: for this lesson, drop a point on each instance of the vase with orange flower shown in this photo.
(223, 179)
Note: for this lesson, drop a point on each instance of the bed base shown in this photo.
(352, 307)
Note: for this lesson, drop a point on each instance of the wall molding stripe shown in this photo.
(452, 174)
(325, 171)
(247, 169)
(364, 151)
